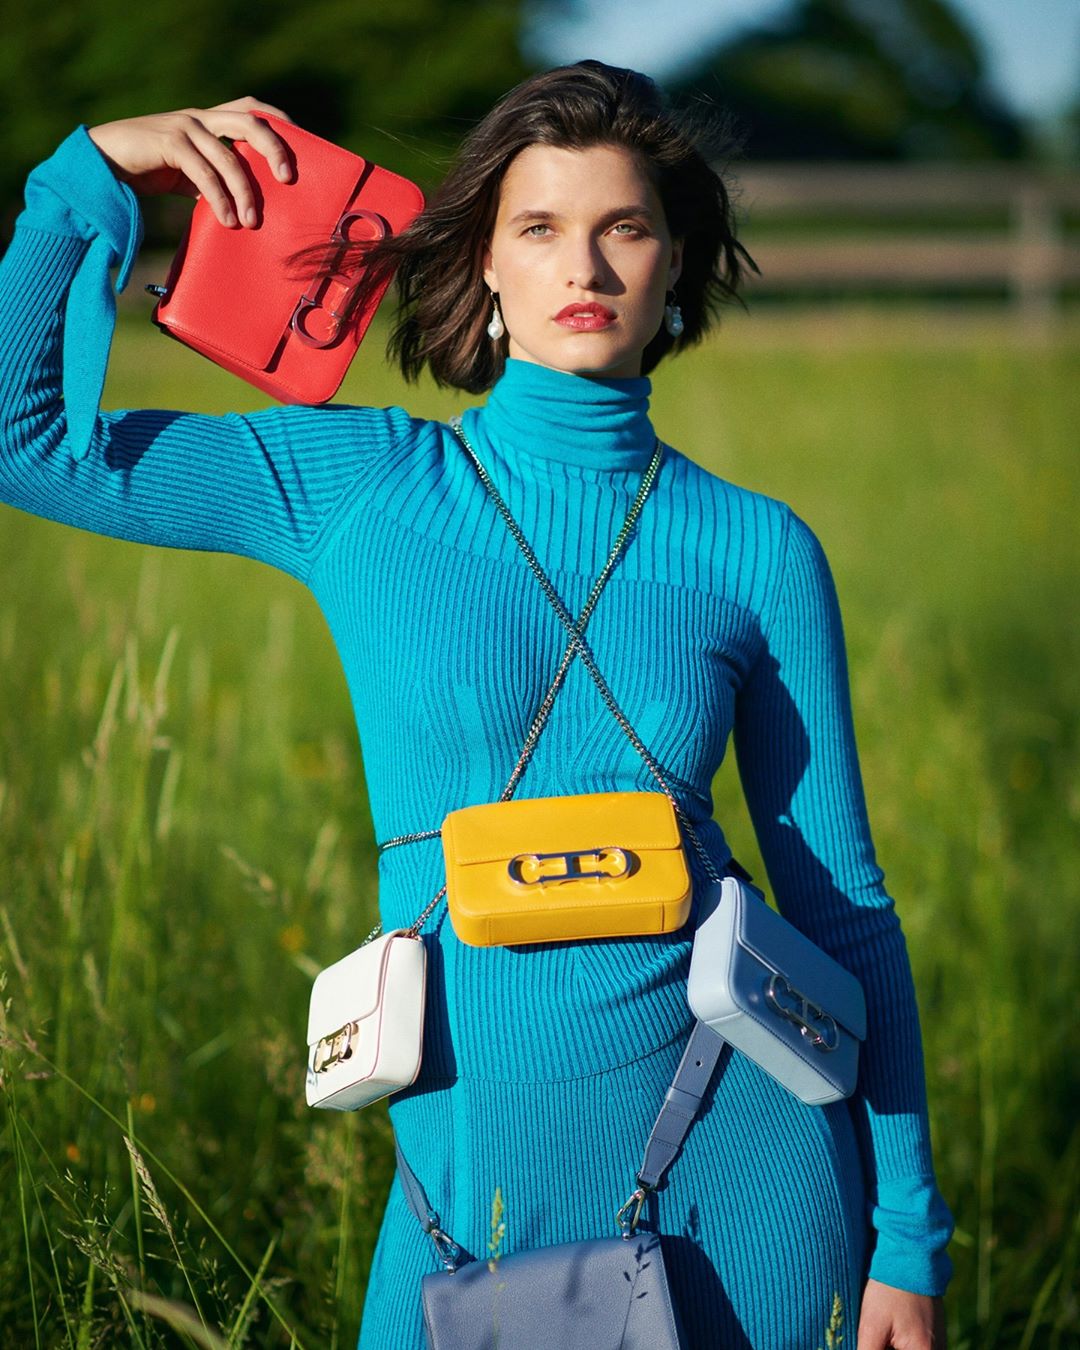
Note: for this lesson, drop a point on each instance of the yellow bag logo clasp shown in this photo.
(541, 869)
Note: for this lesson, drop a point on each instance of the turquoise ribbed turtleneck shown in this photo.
(543, 1067)
(541, 415)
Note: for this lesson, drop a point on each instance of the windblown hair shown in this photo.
(445, 305)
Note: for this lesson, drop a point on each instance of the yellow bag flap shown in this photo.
(490, 831)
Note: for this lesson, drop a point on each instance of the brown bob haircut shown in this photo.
(445, 304)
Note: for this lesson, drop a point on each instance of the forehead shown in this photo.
(549, 177)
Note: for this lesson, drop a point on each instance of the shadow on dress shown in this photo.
(709, 1309)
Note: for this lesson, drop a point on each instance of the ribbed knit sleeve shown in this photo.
(265, 485)
(795, 745)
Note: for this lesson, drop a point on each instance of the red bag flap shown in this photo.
(229, 287)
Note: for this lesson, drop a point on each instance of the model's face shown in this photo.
(582, 228)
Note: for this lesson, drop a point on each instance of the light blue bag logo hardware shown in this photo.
(533, 869)
(797, 1008)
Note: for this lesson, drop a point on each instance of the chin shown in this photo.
(607, 365)
(607, 373)
(610, 370)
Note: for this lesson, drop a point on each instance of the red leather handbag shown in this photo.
(230, 295)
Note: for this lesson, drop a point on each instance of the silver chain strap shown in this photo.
(577, 641)
(575, 644)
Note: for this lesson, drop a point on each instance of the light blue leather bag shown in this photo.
(774, 995)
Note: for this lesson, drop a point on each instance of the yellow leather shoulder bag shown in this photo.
(558, 869)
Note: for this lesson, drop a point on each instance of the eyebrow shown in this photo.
(617, 212)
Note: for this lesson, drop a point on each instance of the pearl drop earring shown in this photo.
(673, 319)
(495, 328)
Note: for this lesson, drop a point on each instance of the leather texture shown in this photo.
(766, 989)
(514, 869)
(373, 1001)
(229, 294)
(577, 1296)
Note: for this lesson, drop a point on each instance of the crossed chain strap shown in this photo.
(578, 644)
(576, 629)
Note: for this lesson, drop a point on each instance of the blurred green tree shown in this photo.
(399, 81)
(859, 79)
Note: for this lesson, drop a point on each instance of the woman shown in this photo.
(580, 228)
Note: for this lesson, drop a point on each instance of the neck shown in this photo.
(535, 412)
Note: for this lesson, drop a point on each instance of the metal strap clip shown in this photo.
(629, 1213)
(449, 1252)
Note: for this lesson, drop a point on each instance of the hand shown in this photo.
(181, 152)
(894, 1318)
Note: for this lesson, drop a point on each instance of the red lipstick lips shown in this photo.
(585, 318)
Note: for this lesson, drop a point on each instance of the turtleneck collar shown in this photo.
(535, 412)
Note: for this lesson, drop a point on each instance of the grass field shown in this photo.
(184, 839)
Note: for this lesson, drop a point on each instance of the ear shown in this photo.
(489, 271)
(675, 271)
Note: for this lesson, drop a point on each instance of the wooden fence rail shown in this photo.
(1031, 255)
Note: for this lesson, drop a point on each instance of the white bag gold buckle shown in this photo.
(336, 1047)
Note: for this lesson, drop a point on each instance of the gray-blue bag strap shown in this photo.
(678, 1113)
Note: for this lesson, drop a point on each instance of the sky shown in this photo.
(1032, 46)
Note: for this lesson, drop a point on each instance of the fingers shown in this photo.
(873, 1335)
(216, 171)
(271, 146)
(244, 125)
(219, 175)
(256, 132)
(183, 151)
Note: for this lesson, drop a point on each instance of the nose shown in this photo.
(585, 264)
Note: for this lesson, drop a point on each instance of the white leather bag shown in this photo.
(366, 1023)
(774, 995)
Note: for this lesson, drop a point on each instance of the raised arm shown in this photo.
(263, 485)
(795, 746)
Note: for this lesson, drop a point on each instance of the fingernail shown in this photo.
(230, 218)
(250, 216)
(283, 172)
